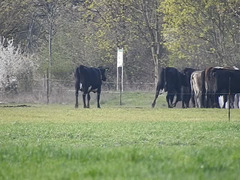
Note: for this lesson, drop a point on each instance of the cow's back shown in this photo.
(228, 78)
(90, 76)
(173, 78)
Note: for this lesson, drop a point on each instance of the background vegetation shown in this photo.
(153, 33)
(134, 141)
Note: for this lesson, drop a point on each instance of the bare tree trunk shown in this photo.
(156, 62)
(155, 38)
(29, 47)
(49, 89)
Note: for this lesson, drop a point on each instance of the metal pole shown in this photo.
(117, 78)
(122, 78)
(48, 89)
(121, 87)
(229, 92)
(120, 100)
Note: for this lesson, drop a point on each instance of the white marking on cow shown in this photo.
(94, 90)
(89, 88)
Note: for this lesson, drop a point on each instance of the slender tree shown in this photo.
(203, 30)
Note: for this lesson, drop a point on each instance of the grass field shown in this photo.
(129, 142)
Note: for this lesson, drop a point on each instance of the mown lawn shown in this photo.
(60, 142)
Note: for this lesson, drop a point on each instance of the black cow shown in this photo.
(227, 80)
(221, 81)
(169, 81)
(88, 79)
(186, 87)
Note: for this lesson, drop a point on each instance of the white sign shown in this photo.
(120, 57)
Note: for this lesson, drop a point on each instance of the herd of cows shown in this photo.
(202, 87)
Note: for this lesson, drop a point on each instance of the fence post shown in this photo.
(229, 93)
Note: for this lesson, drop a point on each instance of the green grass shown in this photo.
(129, 99)
(60, 142)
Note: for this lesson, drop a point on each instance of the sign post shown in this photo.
(120, 66)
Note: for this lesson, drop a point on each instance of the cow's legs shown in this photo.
(77, 87)
(203, 99)
(237, 100)
(229, 99)
(183, 104)
(154, 101)
(198, 100)
(76, 104)
(84, 100)
(232, 98)
(184, 100)
(88, 100)
(98, 99)
(178, 94)
(216, 100)
(209, 100)
(169, 99)
(193, 100)
(225, 98)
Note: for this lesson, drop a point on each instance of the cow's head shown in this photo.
(103, 70)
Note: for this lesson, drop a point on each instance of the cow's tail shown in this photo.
(160, 86)
(77, 78)
(203, 89)
(192, 90)
(164, 79)
(77, 85)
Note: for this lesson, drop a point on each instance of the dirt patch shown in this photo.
(15, 106)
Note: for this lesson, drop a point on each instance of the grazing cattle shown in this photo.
(88, 79)
(198, 88)
(169, 81)
(186, 87)
(219, 82)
